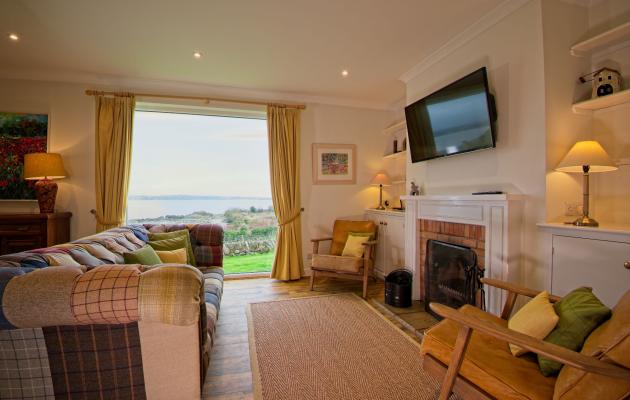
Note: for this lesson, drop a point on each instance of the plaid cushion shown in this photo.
(24, 367)
(207, 234)
(208, 256)
(6, 274)
(170, 294)
(107, 295)
(96, 361)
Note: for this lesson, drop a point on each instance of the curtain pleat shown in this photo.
(283, 126)
(114, 126)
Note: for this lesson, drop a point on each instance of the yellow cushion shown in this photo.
(537, 318)
(609, 342)
(488, 363)
(343, 228)
(179, 256)
(354, 246)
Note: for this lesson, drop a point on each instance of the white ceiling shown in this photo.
(297, 47)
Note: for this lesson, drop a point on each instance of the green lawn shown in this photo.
(248, 263)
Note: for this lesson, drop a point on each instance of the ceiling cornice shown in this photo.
(481, 25)
(122, 83)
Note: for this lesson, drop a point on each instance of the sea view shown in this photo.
(142, 208)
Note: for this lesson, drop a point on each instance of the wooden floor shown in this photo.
(229, 376)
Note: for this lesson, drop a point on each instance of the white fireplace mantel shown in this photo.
(500, 214)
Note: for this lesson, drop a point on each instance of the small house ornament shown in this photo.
(605, 81)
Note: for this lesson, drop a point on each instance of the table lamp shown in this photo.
(381, 179)
(43, 167)
(586, 157)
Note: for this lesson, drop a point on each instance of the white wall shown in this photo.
(325, 203)
(71, 133)
(513, 53)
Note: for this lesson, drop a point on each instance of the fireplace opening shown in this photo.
(452, 276)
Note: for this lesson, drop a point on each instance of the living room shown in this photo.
(338, 91)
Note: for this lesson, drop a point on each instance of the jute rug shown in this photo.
(332, 347)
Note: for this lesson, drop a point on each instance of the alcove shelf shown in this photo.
(394, 128)
(608, 38)
(395, 155)
(600, 103)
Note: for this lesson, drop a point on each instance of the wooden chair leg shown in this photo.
(365, 281)
(463, 337)
(312, 280)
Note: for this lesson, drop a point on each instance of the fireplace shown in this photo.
(452, 276)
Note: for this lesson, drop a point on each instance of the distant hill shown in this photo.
(193, 197)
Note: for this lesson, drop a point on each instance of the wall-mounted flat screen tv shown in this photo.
(456, 119)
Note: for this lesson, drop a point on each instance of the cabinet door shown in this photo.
(588, 262)
(396, 243)
(381, 248)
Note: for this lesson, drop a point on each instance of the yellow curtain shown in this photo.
(283, 126)
(114, 124)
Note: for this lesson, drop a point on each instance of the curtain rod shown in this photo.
(207, 100)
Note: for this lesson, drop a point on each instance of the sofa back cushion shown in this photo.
(342, 229)
(609, 342)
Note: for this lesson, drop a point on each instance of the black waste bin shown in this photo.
(398, 288)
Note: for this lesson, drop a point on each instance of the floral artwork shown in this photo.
(334, 164)
(20, 134)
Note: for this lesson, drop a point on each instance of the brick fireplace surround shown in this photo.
(468, 235)
(489, 224)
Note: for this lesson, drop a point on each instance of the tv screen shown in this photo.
(456, 119)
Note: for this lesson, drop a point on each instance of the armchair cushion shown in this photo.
(327, 262)
(354, 244)
(343, 228)
(611, 342)
(580, 313)
(488, 363)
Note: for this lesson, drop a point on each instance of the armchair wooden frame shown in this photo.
(368, 261)
(450, 374)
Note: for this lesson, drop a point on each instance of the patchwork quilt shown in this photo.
(72, 316)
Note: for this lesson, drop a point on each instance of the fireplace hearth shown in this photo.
(452, 276)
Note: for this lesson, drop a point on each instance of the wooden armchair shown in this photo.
(469, 351)
(338, 266)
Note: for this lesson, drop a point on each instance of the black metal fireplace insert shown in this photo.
(452, 276)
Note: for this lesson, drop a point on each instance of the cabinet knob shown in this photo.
(626, 265)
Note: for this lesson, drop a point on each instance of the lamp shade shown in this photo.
(39, 166)
(381, 179)
(588, 152)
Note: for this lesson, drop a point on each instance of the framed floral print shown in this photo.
(20, 134)
(334, 164)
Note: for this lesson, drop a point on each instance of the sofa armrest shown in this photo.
(207, 242)
(549, 350)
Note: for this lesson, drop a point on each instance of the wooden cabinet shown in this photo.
(390, 250)
(21, 232)
(593, 257)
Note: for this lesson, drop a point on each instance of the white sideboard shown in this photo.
(593, 257)
(390, 250)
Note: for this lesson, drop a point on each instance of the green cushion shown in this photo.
(169, 245)
(176, 234)
(144, 256)
(580, 313)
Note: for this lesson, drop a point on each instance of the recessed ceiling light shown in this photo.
(197, 55)
(344, 73)
(14, 37)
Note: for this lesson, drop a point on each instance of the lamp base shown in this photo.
(585, 221)
(380, 207)
(46, 194)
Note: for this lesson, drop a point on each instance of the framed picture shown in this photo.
(334, 164)
(20, 134)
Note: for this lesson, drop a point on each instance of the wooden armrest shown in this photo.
(321, 239)
(549, 350)
(510, 287)
(370, 243)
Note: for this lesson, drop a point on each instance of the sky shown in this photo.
(199, 155)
